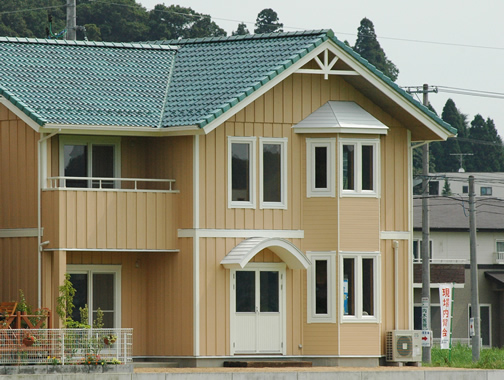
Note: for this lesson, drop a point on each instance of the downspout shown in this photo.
(39, 217)
(395, 245)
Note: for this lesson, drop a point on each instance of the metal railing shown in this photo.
(108, 183)
(66, 346)
(499, 257)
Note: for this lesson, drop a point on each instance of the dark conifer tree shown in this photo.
(369, 48)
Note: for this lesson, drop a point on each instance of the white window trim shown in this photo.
(116, 269)
(89, 141)
(252, 172)
(283, 175)
(496, 242)
(419, 241)
(330, 317)
(359, 317)
(358, 143)
(311, 144)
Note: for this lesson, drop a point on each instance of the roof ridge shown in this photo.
(314, 32)
(122, 45)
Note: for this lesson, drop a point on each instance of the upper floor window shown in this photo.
(321, 282)
(486, 190)
(465, 189)
(273, 172)
(95, 157)
(320, 178)
(241, 172)
(359, 167)
(359, 280)
(500, 246)
(417, 250)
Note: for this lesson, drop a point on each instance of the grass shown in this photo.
(461, 357)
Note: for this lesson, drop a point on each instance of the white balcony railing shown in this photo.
(66, 346)
(107, 183)
(443, 261)
(499, 257)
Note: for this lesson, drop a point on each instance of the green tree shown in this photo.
(446, 188)
(368, 47)
(121, 20)
(443, 151)
(267, 22)
(179, 22)
(241, 30)
(93, 32)
(486, 146)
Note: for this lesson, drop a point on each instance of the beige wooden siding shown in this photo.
(18, 269)
(360, 339)
(215, 297)
(18, 168)
(388, 288)
(395, 192)
(359, 224)
(110, 219)
(155, 297)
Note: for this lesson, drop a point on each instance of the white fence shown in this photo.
(66, 346)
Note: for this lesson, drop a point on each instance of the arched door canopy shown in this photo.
(240, 255)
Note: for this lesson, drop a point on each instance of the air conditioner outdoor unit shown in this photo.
(404, 346)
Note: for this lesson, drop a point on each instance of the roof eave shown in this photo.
(122, 130)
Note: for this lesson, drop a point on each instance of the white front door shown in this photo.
(257, 309)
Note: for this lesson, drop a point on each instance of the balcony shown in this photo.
(110, 213)
(499, 258)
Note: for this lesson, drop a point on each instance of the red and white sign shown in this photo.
(445, 298)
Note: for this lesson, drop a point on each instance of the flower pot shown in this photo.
(28, 342)
(108, 341)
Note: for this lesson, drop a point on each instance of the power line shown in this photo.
(33, 9)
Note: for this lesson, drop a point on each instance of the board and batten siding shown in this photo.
(110, 219)
(273, 115)
(155, 296)
(18, 207)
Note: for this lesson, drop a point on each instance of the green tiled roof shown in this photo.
(158, 84)
(213, 74)
(83, 83)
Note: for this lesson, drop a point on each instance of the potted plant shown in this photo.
(109, 339)
(29, 339)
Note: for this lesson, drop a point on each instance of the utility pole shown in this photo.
(475, 310)
(71, 20)
(425, 252)
(426, 325)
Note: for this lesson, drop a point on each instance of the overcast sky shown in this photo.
(450, 43)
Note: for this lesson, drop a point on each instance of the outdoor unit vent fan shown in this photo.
(404, 346)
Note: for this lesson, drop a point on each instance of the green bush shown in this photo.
(461, 357)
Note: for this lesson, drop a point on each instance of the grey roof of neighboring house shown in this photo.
(452, 213)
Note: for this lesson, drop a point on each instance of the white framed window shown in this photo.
(320, 171)
(359, 167)
(321, 283)
(417, 250)
(486, 190)
(359, 281)
(499, 246)
(98, 286)
(241, 172)
(273, 173)
(90, 156)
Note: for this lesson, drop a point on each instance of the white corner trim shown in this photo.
(395, 235)
(20, 232)
(224, 233)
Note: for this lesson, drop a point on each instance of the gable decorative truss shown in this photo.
(326, 67)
